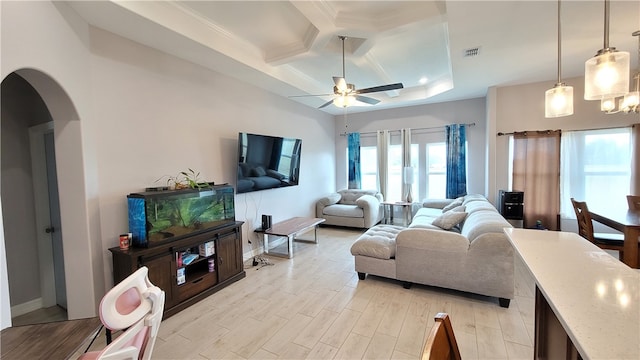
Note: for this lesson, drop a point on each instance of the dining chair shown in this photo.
(605, 241)
(135, 307)
(634, 202)
(441, 343)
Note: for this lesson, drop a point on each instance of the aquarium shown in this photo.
(157, 217)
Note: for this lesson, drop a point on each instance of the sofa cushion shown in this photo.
(258, 171)
(473, 197)
(449, 219)
(482, 222)
(274, 174)
(436, 203)
(378, 242)
(349, 196)
(344, 211)
(330, 199)
(454, 203)
(474, 206)
(428, 212)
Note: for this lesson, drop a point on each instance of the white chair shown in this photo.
(134, 306)
(351, 207)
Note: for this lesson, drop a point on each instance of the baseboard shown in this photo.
(26, 307)
(251, 254)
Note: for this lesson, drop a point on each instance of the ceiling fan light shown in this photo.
(606, 75)
(344, 101)
(558, 101)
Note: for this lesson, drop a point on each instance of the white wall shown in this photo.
(137, 114)
(416, 117)
(157, 115)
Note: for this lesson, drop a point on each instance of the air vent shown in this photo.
(471, 52)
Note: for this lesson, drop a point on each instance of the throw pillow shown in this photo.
(449, 219)
(258, 171)
(454, 203)
(460, 208)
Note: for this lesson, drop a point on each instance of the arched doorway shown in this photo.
(28, 174)
(81, 258)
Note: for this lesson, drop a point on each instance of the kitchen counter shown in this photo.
(594, 297)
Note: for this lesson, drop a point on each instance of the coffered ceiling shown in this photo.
(439, 50)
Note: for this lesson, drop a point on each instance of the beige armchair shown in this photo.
(351, 207)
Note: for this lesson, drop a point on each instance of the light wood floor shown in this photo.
(314, 307)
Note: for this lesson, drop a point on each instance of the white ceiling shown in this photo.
(292, 48)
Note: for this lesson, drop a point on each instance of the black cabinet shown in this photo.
(511, 204)
(189, 269)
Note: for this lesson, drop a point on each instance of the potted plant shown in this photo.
(185, 180)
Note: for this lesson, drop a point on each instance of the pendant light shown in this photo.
(631, 101)
(558, 101)
(606, 75)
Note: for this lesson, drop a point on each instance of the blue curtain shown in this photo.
(456, 161)
(354, 161)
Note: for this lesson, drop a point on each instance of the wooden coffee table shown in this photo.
(289, 229)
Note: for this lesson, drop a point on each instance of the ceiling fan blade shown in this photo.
(340, 82)
(366, 99)
(380, 88)
(326, 104)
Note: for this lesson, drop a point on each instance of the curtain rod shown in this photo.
(531, 131)
(592, 129)
(416, 129)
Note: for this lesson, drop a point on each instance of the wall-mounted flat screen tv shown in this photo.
(267, 162)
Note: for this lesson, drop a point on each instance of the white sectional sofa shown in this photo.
(474, 256)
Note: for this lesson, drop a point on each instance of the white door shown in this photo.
(48, 222)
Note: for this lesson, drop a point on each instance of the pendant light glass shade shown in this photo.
(606, 75)
(631, 100)
(558, 101)
(607, 104)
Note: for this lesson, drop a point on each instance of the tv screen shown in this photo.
(267, 162)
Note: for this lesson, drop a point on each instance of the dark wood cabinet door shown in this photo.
(229, 255)
(162, 274)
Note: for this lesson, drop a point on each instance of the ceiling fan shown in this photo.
(347, 93)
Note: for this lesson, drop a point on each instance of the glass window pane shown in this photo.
(369, 167)
(436, 170)
(593, 161)
(395, 173)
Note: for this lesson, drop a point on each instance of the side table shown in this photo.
(388, 207)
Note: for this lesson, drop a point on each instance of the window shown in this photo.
(369, 170)
(595, 166)
(396, 171)
(436, 170)
(284, 165)
(368, 167)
